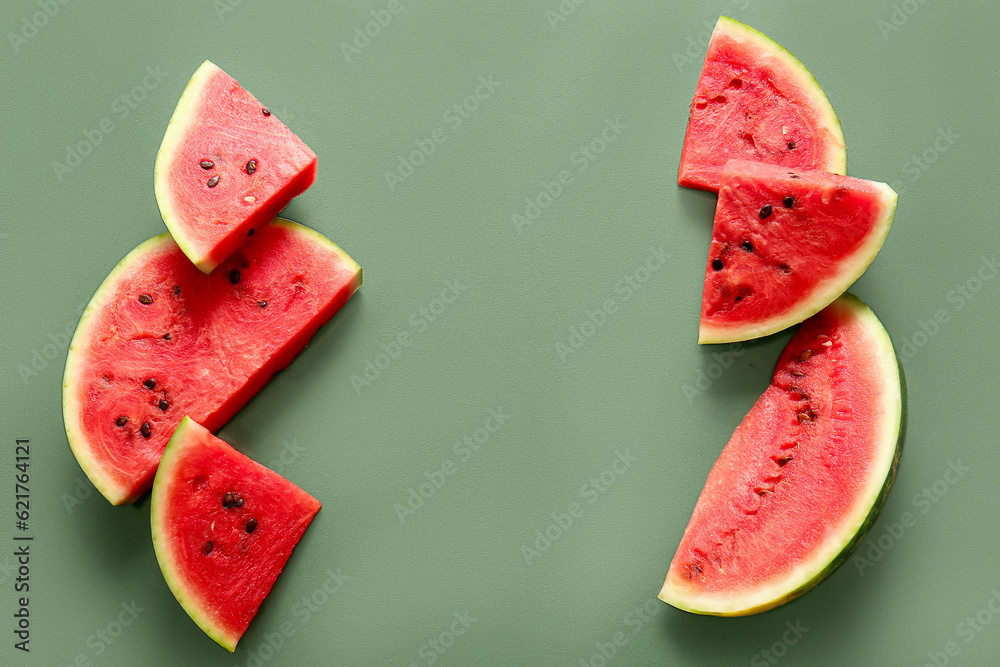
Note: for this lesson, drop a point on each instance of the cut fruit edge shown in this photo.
(186, 596)
(866, 508)
(115, 493)
(173, 139)
(823, 294)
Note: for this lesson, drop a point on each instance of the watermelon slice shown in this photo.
(804, 475)
(160, 340)
(223, 527)
(755, 101)
(226, 167)
(785, 244)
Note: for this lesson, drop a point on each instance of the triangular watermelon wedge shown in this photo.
(223, 527)
(226, 167)
(755, 101)
(160, 340)
(785, 244)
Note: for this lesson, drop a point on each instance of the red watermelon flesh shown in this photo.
(785, 244)
(755, 101)
(223, 528)
(226, 167)
(804, 474)
(161, 340)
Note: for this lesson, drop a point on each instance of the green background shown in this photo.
(631, 388)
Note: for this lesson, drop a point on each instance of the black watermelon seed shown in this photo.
(206, 164)
(791, 145)
(229, 500)
(121, 421)
(251, 231)
(266, 111)
(212, 182)
(805, 355)
(234, 276)
(803, 417)
(164, 405)
(251, 525)
(798, 374)
(788, 201)
(765, 211)
(166, 336)
(239, 502)
(262, 304)
(177, 290)
(208, 547)
(251, 166)
(146, 429)
(145, 299)
(747, 246)
(150, 383)
(717, 264)
(738, 299)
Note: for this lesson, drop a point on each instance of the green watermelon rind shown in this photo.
(177, 129)
(819, 99)
(72, 405)
(187, 597)
(823, 294)
(857, 527)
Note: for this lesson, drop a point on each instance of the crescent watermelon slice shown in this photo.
(225, 168)
(223, 528)
(804, 475)
(755, 101)
(160, 340)
(785, 244)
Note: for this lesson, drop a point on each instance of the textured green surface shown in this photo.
(495, 345)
